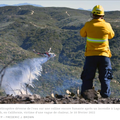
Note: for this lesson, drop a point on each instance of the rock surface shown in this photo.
(90, 94)
(59, 99)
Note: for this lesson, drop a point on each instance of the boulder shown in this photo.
(90, 94)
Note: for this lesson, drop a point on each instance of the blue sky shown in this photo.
(85, 4)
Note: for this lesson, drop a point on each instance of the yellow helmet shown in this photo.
(98, 10)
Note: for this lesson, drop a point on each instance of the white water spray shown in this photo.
(17, 77)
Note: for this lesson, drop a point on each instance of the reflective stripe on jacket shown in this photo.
(97, 32)
(96, 40)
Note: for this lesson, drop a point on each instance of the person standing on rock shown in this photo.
(97, 52)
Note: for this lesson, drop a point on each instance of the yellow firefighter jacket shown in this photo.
(97, 32)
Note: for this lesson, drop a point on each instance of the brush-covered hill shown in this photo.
(24, 28)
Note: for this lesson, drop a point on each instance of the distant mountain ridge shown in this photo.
(2, 5)
(21, 4)
(36, 5)
(85, 9)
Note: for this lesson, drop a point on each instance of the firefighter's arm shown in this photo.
(83, 32)
(111, 32)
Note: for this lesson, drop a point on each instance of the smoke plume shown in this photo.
(18, 77)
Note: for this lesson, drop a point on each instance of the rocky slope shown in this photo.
(90, 98)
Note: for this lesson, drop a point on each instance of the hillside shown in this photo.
(24, 28)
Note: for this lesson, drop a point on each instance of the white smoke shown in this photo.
(17, 77)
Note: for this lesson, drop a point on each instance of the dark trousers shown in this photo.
(103, 65)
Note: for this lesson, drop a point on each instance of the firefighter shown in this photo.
(97, 52)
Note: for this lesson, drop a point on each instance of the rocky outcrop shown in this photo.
(58, 99)
(90, 94)
(88, 97)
